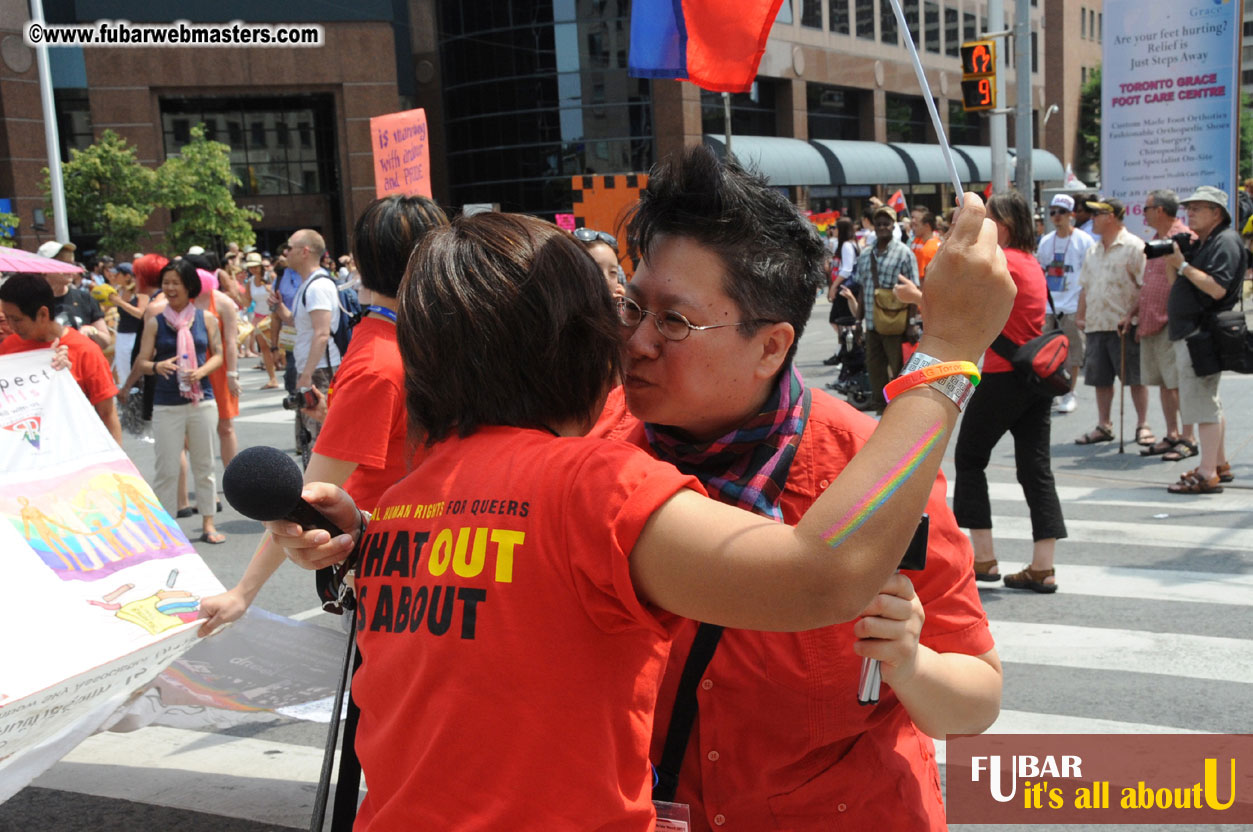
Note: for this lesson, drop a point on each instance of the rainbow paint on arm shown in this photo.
(884, 488)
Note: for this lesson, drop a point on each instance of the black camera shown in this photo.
(1160, 248)
(300, 400)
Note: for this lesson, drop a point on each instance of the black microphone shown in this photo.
(914, 559)
(265, 484)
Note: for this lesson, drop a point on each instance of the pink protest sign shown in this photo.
(402, 154)
(565, 221)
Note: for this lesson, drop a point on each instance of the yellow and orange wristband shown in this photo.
(955, 379)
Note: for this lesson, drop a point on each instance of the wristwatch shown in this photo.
(958, 388)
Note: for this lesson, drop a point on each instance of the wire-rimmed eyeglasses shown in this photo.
(671, 325)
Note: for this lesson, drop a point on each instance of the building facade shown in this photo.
(520, 97)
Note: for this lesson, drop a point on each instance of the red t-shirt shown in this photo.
(1026, 319)
(780, 741)
(509, 671)
(365, 417)
(88, 365)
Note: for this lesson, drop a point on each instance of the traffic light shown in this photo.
(978, 59)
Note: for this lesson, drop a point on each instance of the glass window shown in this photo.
(970, 26)
(1083, 23)
(785, 13)
(833, 112)
(932, 11)
(887, 22)
(864, 15)
(1100, 25)
(837, 16)
(906, 118)
(752, 113)
(811, 13)
(262, 155)
(910, 8)
(952, 35)
(535, 94)
(1035, 66)
(963, 127)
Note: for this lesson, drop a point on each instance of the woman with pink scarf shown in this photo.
(182, 346)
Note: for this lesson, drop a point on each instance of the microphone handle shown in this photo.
(310, 518)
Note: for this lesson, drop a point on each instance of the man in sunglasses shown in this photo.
(768, 734)
(1061, 253)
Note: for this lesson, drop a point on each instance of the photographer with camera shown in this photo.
(1157, 353)
(1208, 279)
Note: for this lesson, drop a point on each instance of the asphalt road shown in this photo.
(1151, 630)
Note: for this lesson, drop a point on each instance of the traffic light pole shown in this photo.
(1022, 107)
(996, 120)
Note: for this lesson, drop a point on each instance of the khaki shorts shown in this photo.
(1157, 361)
(1073, 335)
(1198, 396)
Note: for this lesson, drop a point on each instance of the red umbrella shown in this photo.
(17, 260)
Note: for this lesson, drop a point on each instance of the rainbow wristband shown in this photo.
(931, 374)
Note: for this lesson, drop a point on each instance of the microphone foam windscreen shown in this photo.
(263, 483)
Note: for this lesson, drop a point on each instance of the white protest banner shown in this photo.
(1170, 95)
(103, 586)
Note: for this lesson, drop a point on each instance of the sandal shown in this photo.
(1224, 472)
(1183, 449)
(983, 570)
(273, 385)
(1032, 579)
(1193, 483)
(1098, 434)
(1160, 447)
(1144, 435)
(214, 538)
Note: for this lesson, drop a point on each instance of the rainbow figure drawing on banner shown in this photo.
(155, 613)
(89, 524)
(29, 428)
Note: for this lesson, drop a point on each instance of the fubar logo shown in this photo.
(1097, 779)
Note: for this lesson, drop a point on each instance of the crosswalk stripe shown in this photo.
(1149, 534)
(1152, 499)
(1149, 584)
(1029, 722)
(1178, 655)
(278, 416)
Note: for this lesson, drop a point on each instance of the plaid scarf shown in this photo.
(748, 466)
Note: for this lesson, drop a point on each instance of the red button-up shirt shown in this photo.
(780, 742)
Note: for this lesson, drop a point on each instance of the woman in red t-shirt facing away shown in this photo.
(363, 443)
(1006, 401)
(512, 590)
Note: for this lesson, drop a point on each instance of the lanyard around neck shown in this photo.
(389, 314)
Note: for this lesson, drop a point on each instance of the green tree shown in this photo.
(8, 224)
(1088, 159)
(107, 192)
(196, 187)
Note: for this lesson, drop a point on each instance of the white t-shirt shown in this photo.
(848, 259)
(1061, 258)
(316, 292)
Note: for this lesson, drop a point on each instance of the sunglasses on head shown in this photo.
(588, 235)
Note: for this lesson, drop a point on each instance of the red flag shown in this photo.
(987, 192)
(897, 202)
(701, 41)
